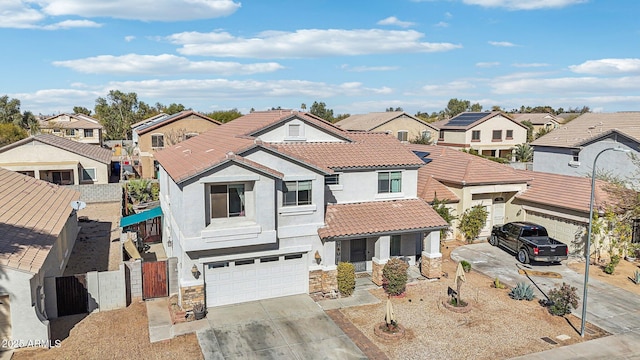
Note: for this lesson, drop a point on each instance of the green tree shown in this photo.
(542, 131)
(472, 221)
(340, 117)
(390, 109)
(524, 152)
(424, 139)
(529, 126)
(81, 110)
(224, 116)
(320, 110)
(440, 206)
(30, 122)
(173, 108)
(118, 111)
(10, 111)
(10, 133)
(456, 106)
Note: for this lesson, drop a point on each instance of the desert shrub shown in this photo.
(346, 278)
(466, 266)
(636, 277)
(522, 291)
(394, 276)
(562, 299)
(472, 221)
(497, 284)
(611, 266)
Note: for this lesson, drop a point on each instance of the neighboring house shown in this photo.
(540, 121)
(58, 160)
(78, 127)
(164, 130)
(397, 123)
(268, 204)
(490, 133)
(38, 229)
(572, 148)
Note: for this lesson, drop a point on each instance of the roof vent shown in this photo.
(208, 150)
(186, 151)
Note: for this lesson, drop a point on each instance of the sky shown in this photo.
(355, 56)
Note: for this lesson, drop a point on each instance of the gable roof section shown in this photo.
(370, 121)
(259, 122)
(161, 121)
(468, 120)
(564, 191)
(536, 118)
(379, 218)
(93, 152)
(429, 189)
(456, 167)
(32, 215)
(592, 126)
(79, 121)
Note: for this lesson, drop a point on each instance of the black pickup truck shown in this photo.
(529, 241)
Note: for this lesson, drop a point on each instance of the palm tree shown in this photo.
(524, 152)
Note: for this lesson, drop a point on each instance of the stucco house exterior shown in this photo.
(572, 148)
(160, 131)
(58, 160)
(269, 203)
(404, 126)
(38, 229)
(540, 121)
(77, 127)
(490, 133)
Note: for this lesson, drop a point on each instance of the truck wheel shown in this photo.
(523, 256)
(493, 240)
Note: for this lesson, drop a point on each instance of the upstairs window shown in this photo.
(294, 130)
(333, 179)
(497, 135)
(576, 155)
(89, 174)
(509, 134)
(296, 193)
(157, 141)
(70, 132)
(227, 201)
(88, 133)
(441, 135)
(475, 135)
(403, 135)
(389, 182)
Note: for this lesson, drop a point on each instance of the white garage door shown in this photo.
(231, 282)
(560, 229)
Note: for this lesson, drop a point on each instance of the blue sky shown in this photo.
(356, 56)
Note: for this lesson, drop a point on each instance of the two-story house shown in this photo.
(490, 133)
(404, 126)
(154, 134)
(571, 149)
(78, 127)
(269, 203)
(539, 121)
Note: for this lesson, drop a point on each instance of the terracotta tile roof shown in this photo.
(93, 152)
(255, 165)
(564, 191)
(78, 121)
(590, 126)
(257, 122)
(370, 121)
(429, 189)
(536, 118)
(32, 215)
(379, 218)
(159, 121)
(456, 167)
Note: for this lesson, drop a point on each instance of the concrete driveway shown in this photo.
(292, 327)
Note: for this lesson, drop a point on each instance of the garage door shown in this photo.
(231, 282)
(560, 229)
(5, 318)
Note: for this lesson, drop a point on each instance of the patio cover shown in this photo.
(140, 217)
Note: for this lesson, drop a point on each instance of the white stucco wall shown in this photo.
(307, 133)
(360, 186)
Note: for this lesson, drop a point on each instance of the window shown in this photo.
(395, 245)
(245, 262)
(28, 173)
(157, 141)
(576, 155)
(227, 200)
(403, 135)
(441, 136)
(475, 135)
(88, 133)
(190, 135)
(294, 130)
(88, 174)
(296, 193)
(62, 177)
(333, 179)
(497, 135)
(509, 134)
(390, 182)
(70, 132)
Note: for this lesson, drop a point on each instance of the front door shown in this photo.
(358, 254)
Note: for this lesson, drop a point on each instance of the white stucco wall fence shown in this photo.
(98, 193)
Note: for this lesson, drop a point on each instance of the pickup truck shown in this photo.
(529, 241)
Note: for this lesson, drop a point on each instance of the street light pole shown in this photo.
(587, 250)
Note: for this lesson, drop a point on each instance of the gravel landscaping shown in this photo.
(497, 327)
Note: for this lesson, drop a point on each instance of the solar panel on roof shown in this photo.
(423, 155)
(466, 119)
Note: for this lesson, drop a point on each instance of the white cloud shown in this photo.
(129, 38)
(607, 67)
(565, 85)
(524, 4)
(442, 24)
(448, 15)
(68, 24)
(17, 14)
(164, 64)
(392, 20)
(501, 43)
(448, 88)
(306, 43)
(367, 68)
(487, 64)
(529, 65)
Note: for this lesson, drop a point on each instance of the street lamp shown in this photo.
(588, 247)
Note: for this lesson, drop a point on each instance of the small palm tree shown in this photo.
(524, 152)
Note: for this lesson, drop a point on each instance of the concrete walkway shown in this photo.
(608, 307)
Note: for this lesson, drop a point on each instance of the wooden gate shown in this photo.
(154, 279)
(72, 295)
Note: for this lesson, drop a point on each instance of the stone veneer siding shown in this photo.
(431, 268)
(192, 295)
(376, 273)
(323, 281)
